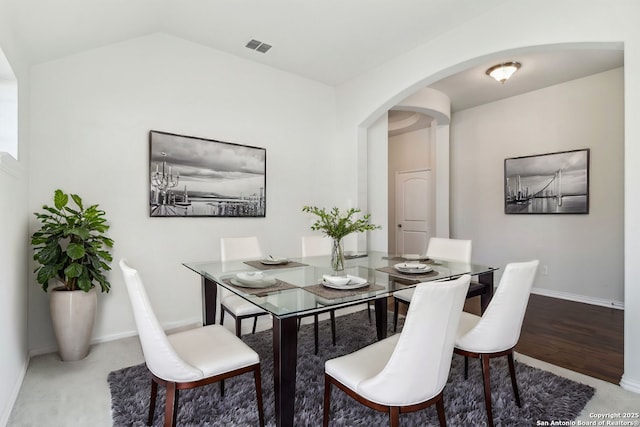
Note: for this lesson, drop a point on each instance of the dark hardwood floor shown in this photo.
(581, 337)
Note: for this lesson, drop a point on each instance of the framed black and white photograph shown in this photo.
(553, 183)
(198, 177)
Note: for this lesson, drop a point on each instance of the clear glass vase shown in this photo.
(337, 255)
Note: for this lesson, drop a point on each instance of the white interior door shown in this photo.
(414, 211)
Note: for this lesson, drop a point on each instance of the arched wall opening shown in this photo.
(372, 130)
(414, 155)
(370, 127)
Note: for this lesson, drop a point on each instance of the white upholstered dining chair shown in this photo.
(440, 249)
(315, 245)
(236, 248)
(188, 359)
(406, 372)
(444, 249)
(497, 332)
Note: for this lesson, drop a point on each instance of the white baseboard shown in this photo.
(578, 298)
(169, 327)
(42, 350)
(629, 384)
(4, 418)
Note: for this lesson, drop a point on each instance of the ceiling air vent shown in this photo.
(254, 44)
(263, 48)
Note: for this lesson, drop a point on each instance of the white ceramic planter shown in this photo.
(73, 314)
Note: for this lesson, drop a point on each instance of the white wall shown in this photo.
(8, 113)
(378, 160)
(90, 118)
(528, 23)
(410, 150)
(14, 249)
(583, 253)
(13, 281)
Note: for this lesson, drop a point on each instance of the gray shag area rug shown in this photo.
(545, 396)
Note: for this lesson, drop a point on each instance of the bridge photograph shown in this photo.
(553, 183)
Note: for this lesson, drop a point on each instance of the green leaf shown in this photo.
(45, 273)
(73, 270)
(49, 254)
(84, 284)
(60, 199)
(72, 211)
(53, 211)
(77, 200)
(75, 251)
(105, 255)
(82, 233)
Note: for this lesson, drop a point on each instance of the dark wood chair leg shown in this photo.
(512, 372)
(486, 375)
(394, 416)
(299, 322)
(256, 376)
(152, 402)
(255, 323)
(332, 314)
(395, 314)
(466, 368)
(221, 315)
(369, 311)
(221, 388)
(238, 327)
(171, 404)
(327, 398)
(176, 397)
(440, 409)
(315, 332)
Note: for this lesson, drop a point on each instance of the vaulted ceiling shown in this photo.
(330, 41)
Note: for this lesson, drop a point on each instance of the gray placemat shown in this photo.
(355, 256)
(400, 259)
(279, 286)
(392, 271)
(260, 266)
(330, 293)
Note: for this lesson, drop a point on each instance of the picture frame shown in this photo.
(551, 183)
(199, 177)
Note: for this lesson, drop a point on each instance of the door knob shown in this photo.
(399, 225)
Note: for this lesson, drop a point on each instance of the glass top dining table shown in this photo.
(297, 291)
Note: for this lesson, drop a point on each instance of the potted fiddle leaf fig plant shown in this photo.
(72, 252)
(338, 225)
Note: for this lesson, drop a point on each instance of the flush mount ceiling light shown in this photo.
(502, 72)
(258, 45)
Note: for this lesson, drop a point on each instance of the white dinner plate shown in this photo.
(355, 282)
(412, 268)
(254, 284)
